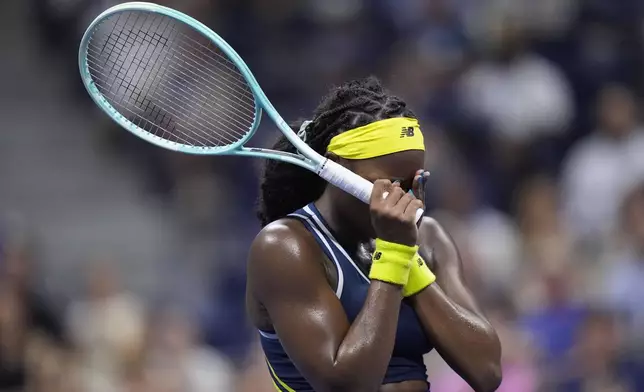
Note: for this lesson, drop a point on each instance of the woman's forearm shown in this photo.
(466, 341)
(364, 354)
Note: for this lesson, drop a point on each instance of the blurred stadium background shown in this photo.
(122, 265)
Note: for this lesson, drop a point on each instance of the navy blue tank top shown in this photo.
(411, 343)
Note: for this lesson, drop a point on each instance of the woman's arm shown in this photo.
(286, 275)
(450, 316)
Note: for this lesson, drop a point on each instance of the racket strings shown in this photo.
(201, 74)
(159, 117)
(189, 81)
(179, 87)
(167, 95)
(169, 80)
(153, 114)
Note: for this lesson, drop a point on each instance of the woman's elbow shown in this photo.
(491, 374)
(489, 379)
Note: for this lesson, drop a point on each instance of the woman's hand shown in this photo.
(393, 213)
(418, 186)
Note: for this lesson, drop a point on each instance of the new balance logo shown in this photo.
(407, 132)
(377, 255)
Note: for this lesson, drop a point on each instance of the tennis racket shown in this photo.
(173, 82)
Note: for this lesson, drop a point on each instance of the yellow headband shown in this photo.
(378, 138)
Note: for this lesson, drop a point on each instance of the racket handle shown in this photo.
(419, 214)
(351, 183)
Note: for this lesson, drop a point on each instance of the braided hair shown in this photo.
(285, 187)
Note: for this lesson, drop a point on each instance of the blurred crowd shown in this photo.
(535, 142)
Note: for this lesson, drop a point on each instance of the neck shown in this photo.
(341, 227)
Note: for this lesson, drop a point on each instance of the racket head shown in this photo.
(107, 103)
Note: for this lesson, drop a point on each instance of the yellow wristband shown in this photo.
(420, 276)
(391, 262)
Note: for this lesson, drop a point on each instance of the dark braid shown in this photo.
(285, 187)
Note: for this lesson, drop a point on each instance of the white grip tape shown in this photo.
(346, 180)
(419, 214)
(351, 183)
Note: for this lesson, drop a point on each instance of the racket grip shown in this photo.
(351, 183)
(419, 214)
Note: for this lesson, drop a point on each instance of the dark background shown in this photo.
(122, 265)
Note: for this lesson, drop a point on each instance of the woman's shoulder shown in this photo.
(284, 249)
(429, 227)
(283, 235)
(433, 240)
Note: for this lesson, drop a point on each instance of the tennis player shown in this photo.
(349, 296)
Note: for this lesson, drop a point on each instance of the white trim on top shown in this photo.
(268, 335)
(338, 291)
(326, 231)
